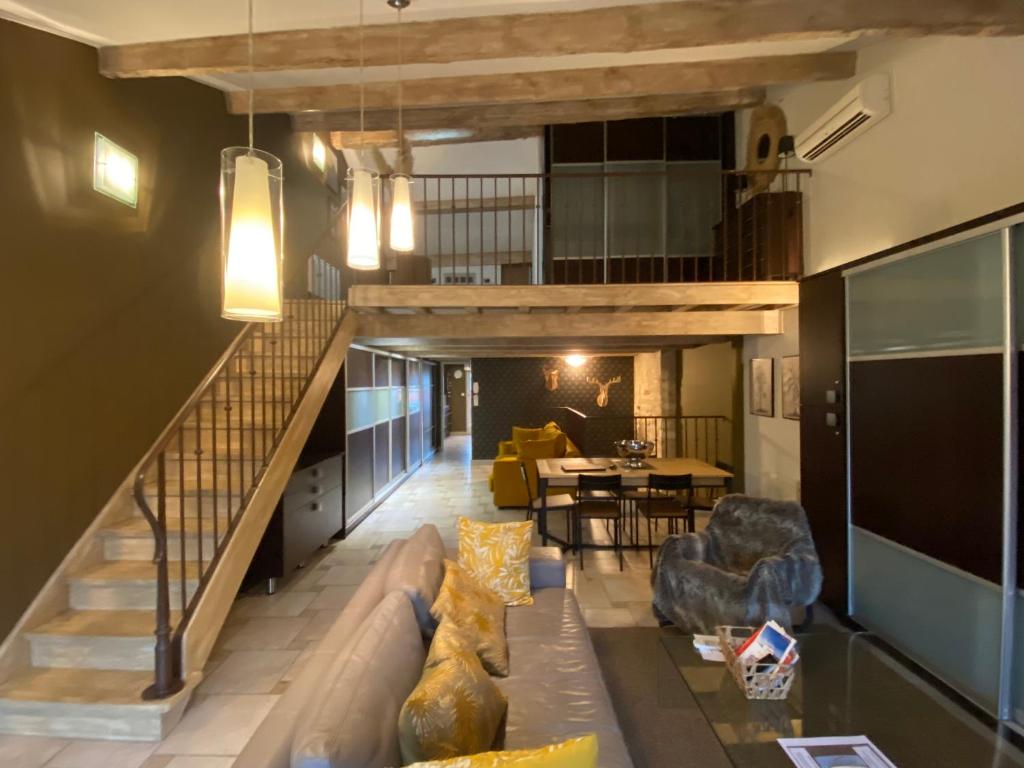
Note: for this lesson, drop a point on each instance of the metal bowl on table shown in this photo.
(634, 452)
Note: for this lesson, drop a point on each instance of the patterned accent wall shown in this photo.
(512, 393)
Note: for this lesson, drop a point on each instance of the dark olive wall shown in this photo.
(513, 394)
(108, 315)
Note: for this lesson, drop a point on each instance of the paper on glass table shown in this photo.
(708, 647)
(835, 752)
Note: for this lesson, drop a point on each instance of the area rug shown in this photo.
(660, 719)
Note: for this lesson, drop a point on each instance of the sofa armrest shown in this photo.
(547, 568)
(507, 448)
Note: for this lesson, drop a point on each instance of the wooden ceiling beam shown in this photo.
(557, 85)
(428, 138)
(574, 297)
(634, 324)
(490, 116)
(620, 29)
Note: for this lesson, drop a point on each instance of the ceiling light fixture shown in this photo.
(402, 237)
(575, 361)
(252, 226)
(363, 251)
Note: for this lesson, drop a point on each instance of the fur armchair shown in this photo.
(755, 561)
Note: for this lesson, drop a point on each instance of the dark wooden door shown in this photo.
(823, 427)
(455, 386)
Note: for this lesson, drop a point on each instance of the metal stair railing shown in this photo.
(223, 440)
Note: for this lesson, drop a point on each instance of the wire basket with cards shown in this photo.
(762, 660)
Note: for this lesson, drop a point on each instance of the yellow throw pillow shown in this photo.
(498, 556)
(449, 640)
(580, 752)
(476, 610)
(536, 449)
(519, 434)
(456, 709)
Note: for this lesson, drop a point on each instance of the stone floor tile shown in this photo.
(217, 725)
(28, 751)
(103, 754)
(249, 672)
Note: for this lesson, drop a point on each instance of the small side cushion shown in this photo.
(498, 556)
(580, 752)
(418, 572)
(537, 449)
(547, 568)
(355, 724)
(456, 709)
(478, 611)
(519, 434)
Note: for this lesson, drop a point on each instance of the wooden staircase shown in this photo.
(84, 654)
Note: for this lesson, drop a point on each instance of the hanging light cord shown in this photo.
(362, 125)
(251, 79)
(400, 142)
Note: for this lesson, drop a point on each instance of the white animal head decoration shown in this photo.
(602, 389)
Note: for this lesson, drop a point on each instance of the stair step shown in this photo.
(250, 413)
(86, 704)
(294, 366)
(96, 640)
(236, 475)
(132, 539)
(192, 502)
(126, 585)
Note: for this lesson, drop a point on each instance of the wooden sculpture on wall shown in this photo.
(602, 389)
(551, 378)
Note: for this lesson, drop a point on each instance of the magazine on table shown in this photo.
(835, 752)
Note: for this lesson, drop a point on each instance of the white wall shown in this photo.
(487, 157)
(772, 445)
(950, 151)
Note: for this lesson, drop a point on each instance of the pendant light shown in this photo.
(252, 226)
(402, 237)
(363, 251)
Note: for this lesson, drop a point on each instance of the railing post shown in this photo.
(166, 681)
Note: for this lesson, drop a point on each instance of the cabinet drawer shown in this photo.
(310, 526)
(307, 484)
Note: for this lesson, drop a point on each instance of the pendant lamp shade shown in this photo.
(363, 250)
(252, 235)
(401, 239)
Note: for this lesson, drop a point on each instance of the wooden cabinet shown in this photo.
(308, 515)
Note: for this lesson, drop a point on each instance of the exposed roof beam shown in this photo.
(422, 138)
(557, 85)
(490, 116)
(573, 296)
(648, 324)
(622, 29)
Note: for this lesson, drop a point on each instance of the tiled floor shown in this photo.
(267, 638)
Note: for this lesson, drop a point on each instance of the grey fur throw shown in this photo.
(755, 561)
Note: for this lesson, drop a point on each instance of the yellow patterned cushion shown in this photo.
(498, 556)
(476, 610)
(575, 753)
(449, 640)
(456, 709)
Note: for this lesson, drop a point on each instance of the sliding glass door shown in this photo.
(932, 405)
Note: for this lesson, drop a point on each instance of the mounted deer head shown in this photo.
(602, 389)
(551, 378)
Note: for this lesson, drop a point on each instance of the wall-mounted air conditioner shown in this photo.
(868, 103)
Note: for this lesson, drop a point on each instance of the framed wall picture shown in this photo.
(762, 386)
(791, 387)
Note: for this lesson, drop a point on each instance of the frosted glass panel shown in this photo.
(414, 399)
(381, 405)
(1018, 662)
(949, 298)
(636, 209)
(397, 402)
(946, 621)
(360, 409)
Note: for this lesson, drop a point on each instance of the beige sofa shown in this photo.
(554, 689)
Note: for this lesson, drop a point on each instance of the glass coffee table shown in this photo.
(845, 686)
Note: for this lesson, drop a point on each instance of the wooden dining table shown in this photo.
(565, 473)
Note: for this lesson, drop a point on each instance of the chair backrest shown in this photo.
(526, 480)
(600, 482)
(668, 483)
(744, 529)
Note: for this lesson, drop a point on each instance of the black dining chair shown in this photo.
(669, 498)
(555, 501)
(598, 497)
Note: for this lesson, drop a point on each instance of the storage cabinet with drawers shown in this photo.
(308, 515)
